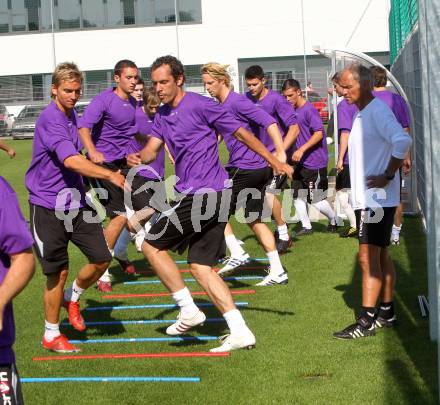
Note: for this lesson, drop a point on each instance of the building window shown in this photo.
(37, 87)
(128, 9)
(92, 13)
(45, 17)
(19, 15)
(68, 14)
(145, 12)
(4, 16)
(190, 11)
(114, 13)
(164, 11)
(32, 14)
(35, 15)
(95, 82)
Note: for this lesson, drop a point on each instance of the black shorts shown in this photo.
(373, 227)
(313, 183)
(52, 235)
(196, 222)
(146, 193)
(254, 181)
(111, 196)
(343, 178)
(10, 387)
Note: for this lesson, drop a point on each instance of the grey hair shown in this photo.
(361, 74)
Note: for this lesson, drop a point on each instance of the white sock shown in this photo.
(301, 210)
(185, 301)
(106, 277)
(51, 330)
(276, 268)
(73, 293)
(234, 247)
(343, 199)
(396, 231)
(235, 321)
(120, 248)
(327, 210)
(283, 234)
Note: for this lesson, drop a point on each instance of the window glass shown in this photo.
(37, 87)
(95, 82)
(92, 13)
(19, 15)
(189, 10)
(68, 14)
(128, 8)
(4, 16)
(164, 11)
(46, 24)
(145, 12)
(114, 16)
(32, 14)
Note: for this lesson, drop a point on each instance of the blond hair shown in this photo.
(66, 71)
(217, 72)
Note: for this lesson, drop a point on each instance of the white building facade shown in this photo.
(97, 33)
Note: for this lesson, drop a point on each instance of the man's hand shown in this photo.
(297, 155)
(406, 166)
(11, 152)
(282, 168)
(96, 157)
(339, 166)
(281, 156)
(134, 159)
(118, 180)
(377, 181)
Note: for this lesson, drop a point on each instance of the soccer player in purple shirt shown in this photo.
(138, 92)
(188, 123)
(58, 209)
(247, 170)
(276, 106)
(120, 249)
(346, 113)
(310, 159)
(400, 109)
(106, 127)
(148, 181)
(17, 267)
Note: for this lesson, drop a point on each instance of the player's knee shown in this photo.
(101, 267)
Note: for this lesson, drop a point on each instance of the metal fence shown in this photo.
(402, 19)
(406, 69)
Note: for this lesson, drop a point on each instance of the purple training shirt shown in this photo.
(397, 104)
(14, 238)
(190, 131)
(310, 122)
(145, 125)
(56, 138)
(280, 109)
(346, 113)
(246, 114)
(112, 121)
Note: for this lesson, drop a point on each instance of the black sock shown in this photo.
(368, 313)
(386, 310)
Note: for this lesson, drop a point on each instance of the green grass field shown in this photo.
(296, 360)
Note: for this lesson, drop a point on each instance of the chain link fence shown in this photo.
(402, 19)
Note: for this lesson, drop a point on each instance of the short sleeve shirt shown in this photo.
(49, 182)
(190, 131)
(14, 238)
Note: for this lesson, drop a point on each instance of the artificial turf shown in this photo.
(296, 360)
